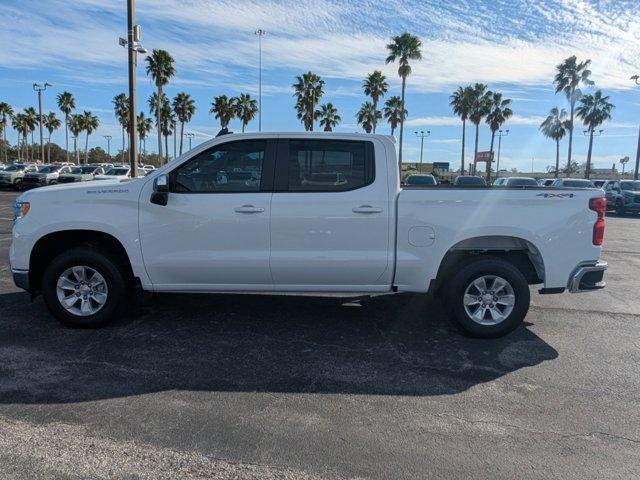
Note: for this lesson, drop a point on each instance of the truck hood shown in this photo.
(80, 188)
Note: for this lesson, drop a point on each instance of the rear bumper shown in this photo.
(587, 277)
(21, 278)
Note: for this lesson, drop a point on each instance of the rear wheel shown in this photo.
(620, 207)
(488, 297)
(17, 184)
(84, 287)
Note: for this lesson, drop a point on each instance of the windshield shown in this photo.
(578, 183)
(118, 171)
(49, 169)
(470, 181)
(521, 182)
(421, 180)
(14, 168)
(83, 170)
(630, 185)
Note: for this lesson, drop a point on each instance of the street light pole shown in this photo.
(108, 139)
(41, 87)
(636, 78)
(422, 135)
(260, 33)
(190, 135)
(500, 134)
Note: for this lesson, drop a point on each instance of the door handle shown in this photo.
(248, 209)
(366, 209)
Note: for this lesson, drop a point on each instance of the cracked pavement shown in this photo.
(294, 387)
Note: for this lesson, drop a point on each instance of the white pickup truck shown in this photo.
(304, 212)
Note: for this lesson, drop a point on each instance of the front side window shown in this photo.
(329, 165)
(231, 167)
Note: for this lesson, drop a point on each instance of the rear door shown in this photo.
(330, 215)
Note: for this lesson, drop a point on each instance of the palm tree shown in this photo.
(403, 48)
(555, 127)
(6, 112)
(308, 91)
(160, 67)
(89, 124)
(394, 113)
(246, 109)
(375, 86)
(76, 126)
(21, 125)
(121, 107)
(224, 109)
(167, 126)
(33, 119)
(66, 104)
(144, 126)
(570, 74)
(184, 107)
(367, 116)
(328, 115)
(51, 123)
(479, 107)
(499, 112)
(460, 101)
(165, 110)
(594, 110)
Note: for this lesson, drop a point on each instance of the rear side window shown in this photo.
(329, 165)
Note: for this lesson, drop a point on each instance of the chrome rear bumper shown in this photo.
(587, 277)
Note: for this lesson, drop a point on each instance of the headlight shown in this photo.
(20, 210)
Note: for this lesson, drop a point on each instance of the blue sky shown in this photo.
(511, 45)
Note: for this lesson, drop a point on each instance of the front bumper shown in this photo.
(21, 278)
(587, 277)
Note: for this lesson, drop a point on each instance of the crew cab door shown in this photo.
(330, 215)
(213, 233)
(612, 191)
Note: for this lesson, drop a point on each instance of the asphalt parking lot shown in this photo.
(295, 387)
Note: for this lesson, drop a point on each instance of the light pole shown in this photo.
(422, 135)
(260, 33)
(623, 162)
(133, 46)
(636, 78)
(500, 134)
(41, 87)
(590, 133)
(190, 135)
(108, 139)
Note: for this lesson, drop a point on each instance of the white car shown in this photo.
(115, 173)
(233, 216)
(515, 182)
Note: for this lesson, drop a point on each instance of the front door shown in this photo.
(213, 234)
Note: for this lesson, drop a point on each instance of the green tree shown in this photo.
(403, 48)
(20, 123)
(308, 91)
(160, 67)
(246, 109)
(89, 124)
(570, 74)
(51, 123)
(144, 126)
(76, 127)
(32, 122)
(66, 104)
(394, 112)
(98, 155)
(555, 127)
(594, 110)
(224, 109)
(329, 118)
(167, 126)
(6, 113)
(479, 98)
(375, 86)
(498, 113)
(367, 116)
(460, 102)
(121, 107)
(184, 107)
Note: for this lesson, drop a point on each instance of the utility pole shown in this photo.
(133, 46)
(500, 134)
(260, 33)
(108, 139)
(422, 136)
(190, 135)
(41, 87)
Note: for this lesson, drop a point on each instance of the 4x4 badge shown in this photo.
(559, 195)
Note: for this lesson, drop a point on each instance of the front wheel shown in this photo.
(620, 208)
(488, 298)
(84, 287)
(17, 184)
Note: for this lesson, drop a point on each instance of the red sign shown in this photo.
(484, 156)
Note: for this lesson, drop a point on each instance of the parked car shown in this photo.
(599, 183)
(116, 173)
(546, 182)
(469, 181)
(46, 175)
(573, 183)
(13, 175)
(2, 166)
(515, 182)
(184, 228)
(420, 180)
(81, 174)
(623, 195)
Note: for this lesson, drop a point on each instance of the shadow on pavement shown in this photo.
(394, 345)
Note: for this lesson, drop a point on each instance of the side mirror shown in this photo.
(160, 194)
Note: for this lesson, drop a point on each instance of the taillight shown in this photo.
(598, 205)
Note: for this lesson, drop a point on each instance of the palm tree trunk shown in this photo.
(587, 170)
(166, 148)
(393, 129)
(86, 149)
(493, 136)
(49, 149)
(475, 150)
(181, 135)
(570, 137)
(557, 158)
(66, 134)
(122, 159)
(404, 85)
(158, 119)
(464, 130)
(375, 120)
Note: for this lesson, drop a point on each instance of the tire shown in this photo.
(111, 282)
(17, 184)
(484, 319)
(620, 210)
